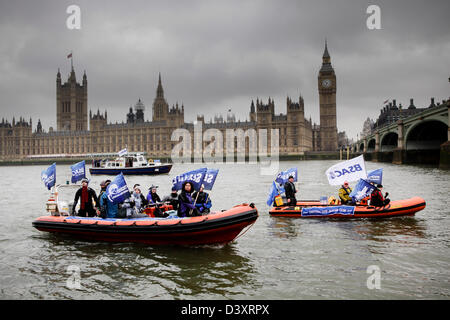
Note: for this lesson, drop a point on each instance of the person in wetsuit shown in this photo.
(86, 195)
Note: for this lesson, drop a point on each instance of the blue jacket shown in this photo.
(111, 208)
(186, 203)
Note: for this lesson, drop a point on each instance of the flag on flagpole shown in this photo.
(210, 178)
(48, 176)
(375, 176)
(117, 190)
(283, 176)
(361, 190)
(195, 177)
(78, 171)
(123, 152)
(350, 170)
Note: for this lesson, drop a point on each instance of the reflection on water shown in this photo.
(140, 271)
(395, 229)
(283, 227)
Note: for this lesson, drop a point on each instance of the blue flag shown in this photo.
(375, 176)
(48, 176)
(78, 171)
(210, 178)
(273, 192)
(117, 190)
(361, 190)
(283, 176)
(195, 177)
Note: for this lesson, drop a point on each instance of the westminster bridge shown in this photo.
(422, 138)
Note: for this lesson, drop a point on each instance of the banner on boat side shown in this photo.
(326, 211)
(195, 177)
(78, 171)
(117, 190)
(350, 170)
(283, 176)
(375, 176)
(123, 152)
(48, 176)
(361, 190)
(210, 178)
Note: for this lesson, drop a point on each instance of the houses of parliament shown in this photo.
(80, 132)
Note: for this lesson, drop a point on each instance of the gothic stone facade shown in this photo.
(72, 137)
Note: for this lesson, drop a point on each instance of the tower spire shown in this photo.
(159, 90)
(326, 55)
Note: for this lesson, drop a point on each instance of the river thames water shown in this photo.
(278, 258)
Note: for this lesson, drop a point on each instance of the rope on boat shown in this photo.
(242, 233)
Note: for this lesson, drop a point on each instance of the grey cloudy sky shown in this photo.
(216, 55)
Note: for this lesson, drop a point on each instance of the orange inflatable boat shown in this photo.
(314, 209)
(216, 227)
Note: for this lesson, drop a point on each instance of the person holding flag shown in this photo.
(202, 201)
(186, 201)
(86, 196)
(116, 192)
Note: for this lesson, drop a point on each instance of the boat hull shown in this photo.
(153, 170)
(220, 227)
(397, 208)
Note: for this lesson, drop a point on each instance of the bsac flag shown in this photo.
(283, 176)
(48, 176)
(78, 171)
(361, 190)
(117, 190)
(375, 176)
(350, 170)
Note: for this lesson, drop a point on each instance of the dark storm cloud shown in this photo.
(216, 55)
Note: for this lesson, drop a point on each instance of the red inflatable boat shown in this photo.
(314, 209)
(216, 227)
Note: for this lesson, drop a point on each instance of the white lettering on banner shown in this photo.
(344, 171)
(350, 170)
(115, 192)
(208, 178)
(48, 179)
(77, 172)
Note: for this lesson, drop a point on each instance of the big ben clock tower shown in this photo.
(327, 102)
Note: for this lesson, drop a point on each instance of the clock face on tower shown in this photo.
(326, 83)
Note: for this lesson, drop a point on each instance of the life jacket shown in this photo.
(364, 201)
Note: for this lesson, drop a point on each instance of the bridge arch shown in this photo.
(389, 141)
(361, 147)
(371, 145)
(426, 135)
